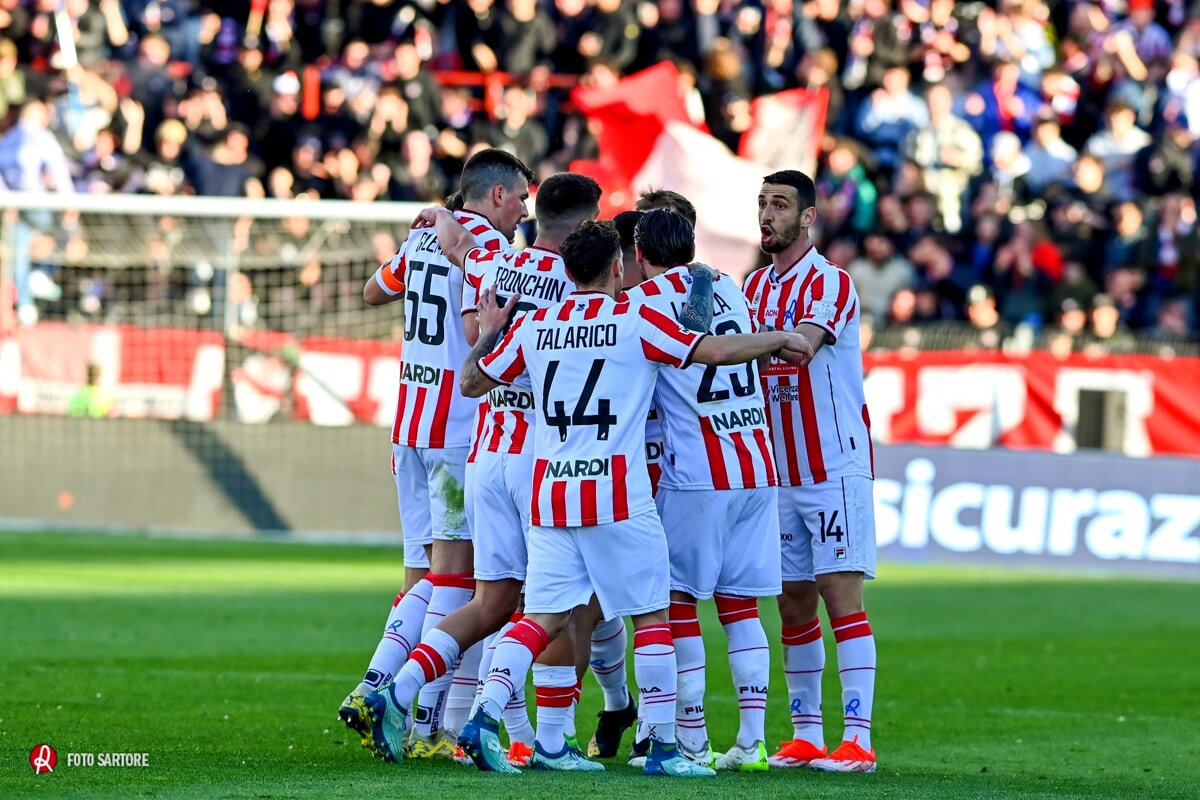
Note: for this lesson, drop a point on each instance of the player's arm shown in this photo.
(453, 238)
(827, 310)
(738, 348)
(697, 313)
(387, 284)
(486, 360)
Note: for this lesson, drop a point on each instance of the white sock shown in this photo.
(803, 663)
(749, 664)
(462, 688)
(609, 642)
(555, 688)
(431, 659)
(450, 593)
(569, 721)
(654, 670)
(690, 728)
(514, 655)
(856, 668)
(516, 719)
(399, 636)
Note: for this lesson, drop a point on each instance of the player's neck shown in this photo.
(653, 271)
(551, 243)
(787, 258)
(479, 211)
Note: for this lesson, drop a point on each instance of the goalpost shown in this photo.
(197, 363)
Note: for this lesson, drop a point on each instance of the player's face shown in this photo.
(779, 217)
(513, 208)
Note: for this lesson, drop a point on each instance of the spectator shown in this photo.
(848, 195)
(888, 116)
(1050, 158)
(527, 38)
(949, 152)
(1117, 148)
(514, 132)
(879, 273)
(32, 160)
(12, 80)
(1107, 335)
(480, 35)
(1002, 103)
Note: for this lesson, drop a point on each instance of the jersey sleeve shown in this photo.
(476, 264)
(390, 275)
(664, 340)
(828, 302)
(507, 362)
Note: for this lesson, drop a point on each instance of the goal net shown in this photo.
(197, 364)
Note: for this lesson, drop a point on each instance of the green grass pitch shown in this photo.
(225, 662)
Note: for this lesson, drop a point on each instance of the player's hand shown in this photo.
(427, 218)
(492, 316)
(796, 350)
(700, 267)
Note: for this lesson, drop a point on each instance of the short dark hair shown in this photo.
(490, 168)
(666, 237)
(625, 222)
(806, 191)
(590, 250)
(566, 199)
(651, 199)
(454, 201)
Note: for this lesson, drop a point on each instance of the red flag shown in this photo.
(787, 130)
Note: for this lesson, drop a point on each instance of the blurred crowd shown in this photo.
(1017, 165)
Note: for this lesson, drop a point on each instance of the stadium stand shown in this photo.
(987, 167)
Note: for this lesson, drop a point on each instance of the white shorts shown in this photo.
(624, 563)
(827, 527)
(724, 542)
(499, 487)
(429, 489)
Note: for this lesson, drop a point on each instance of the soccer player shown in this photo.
(717, 499)
(592, 364)
(498, 489)
(432, 430)
(650, 199)
(823, 454)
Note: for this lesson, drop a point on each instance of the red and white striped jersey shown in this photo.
(817, 414)
(430, 411)
(540, 277)
(654, 449)
(714, 427)
(592, 362)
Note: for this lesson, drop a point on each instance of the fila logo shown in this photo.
(752, 689)
(694, 710)
(651, 690)
(499, 671)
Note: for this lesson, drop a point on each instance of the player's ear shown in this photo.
(498, 195)
(808, 217)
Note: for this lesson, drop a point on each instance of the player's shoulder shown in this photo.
(481, 228)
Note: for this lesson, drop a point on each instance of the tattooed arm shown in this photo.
(474, 382)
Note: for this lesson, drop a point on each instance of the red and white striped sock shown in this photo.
(514, 655)
(431, 659)
(691, 730)
(400, 635)
(516, 715)
(609, 642)
(856, 668)
(450, 593)
(555, 687)
(655, 672)
(749, 664)
(803, 664)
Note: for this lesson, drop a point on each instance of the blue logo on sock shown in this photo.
(852, 708)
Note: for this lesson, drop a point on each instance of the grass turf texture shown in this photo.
(226, 661)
